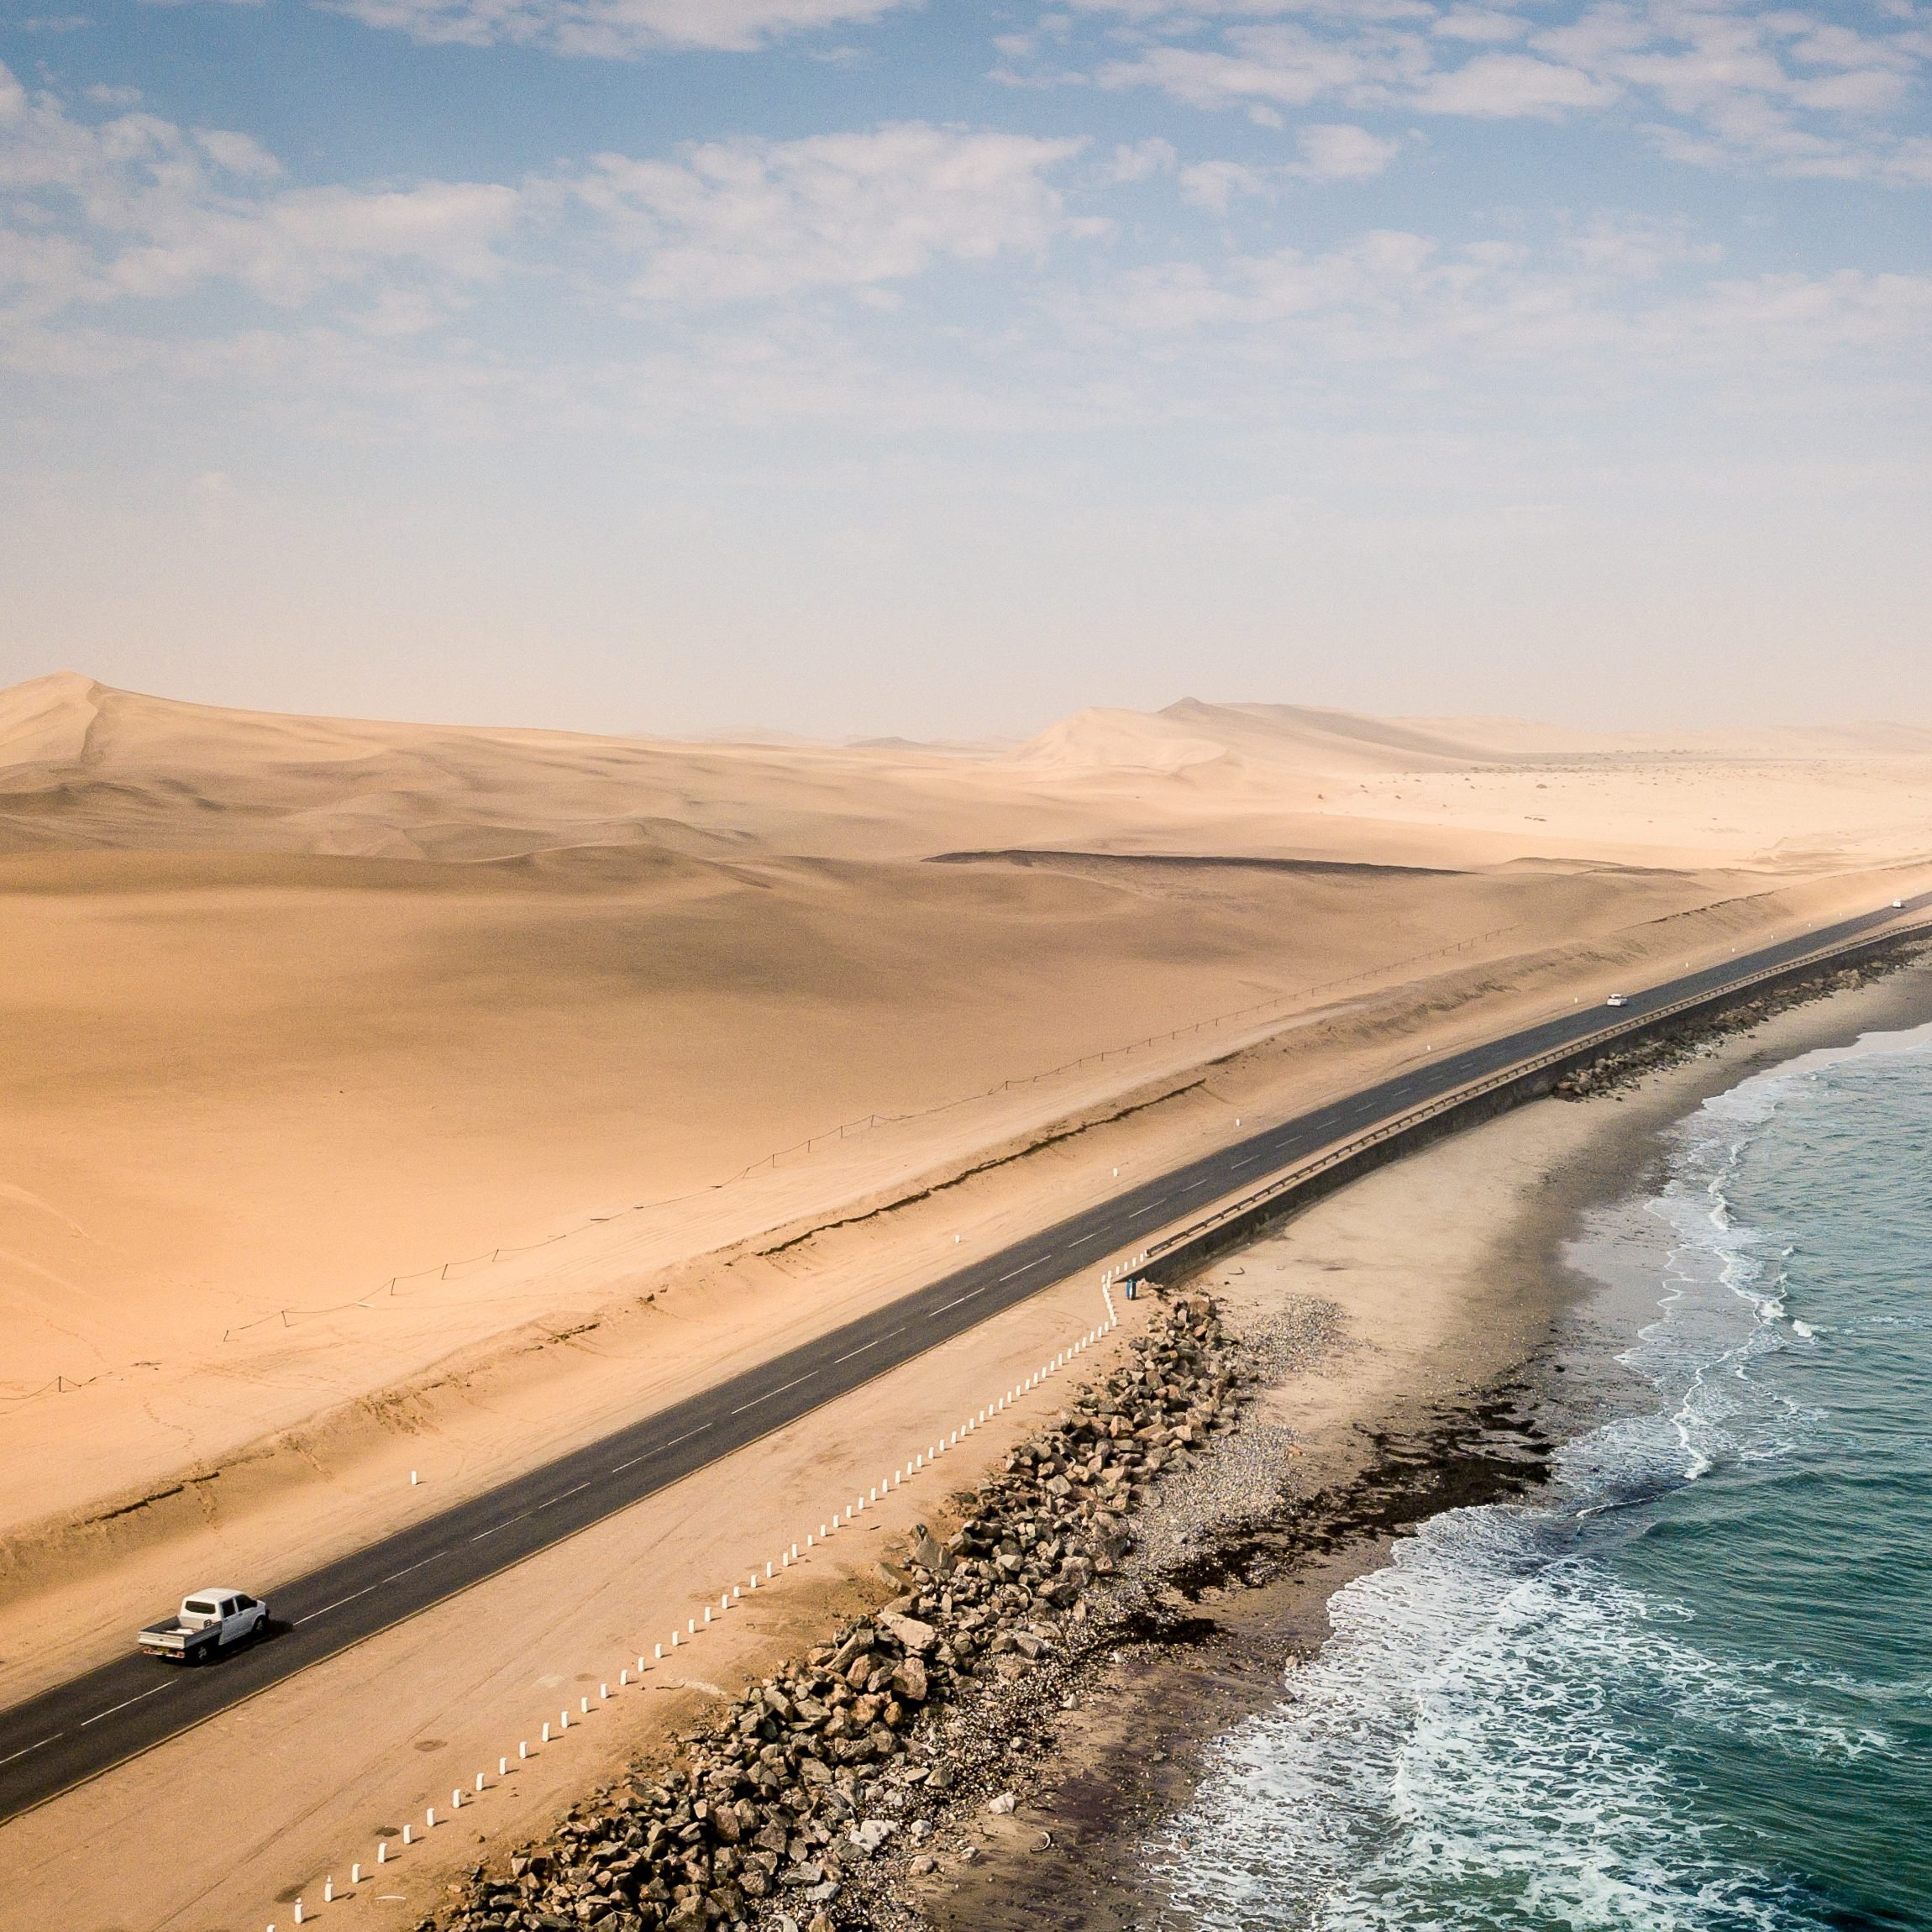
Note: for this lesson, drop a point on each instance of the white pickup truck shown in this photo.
(208, 1621)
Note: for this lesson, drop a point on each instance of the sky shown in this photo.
(858, 367)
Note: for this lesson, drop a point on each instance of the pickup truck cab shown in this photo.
(208, 1621)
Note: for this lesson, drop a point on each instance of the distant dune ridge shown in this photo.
(83, 766)
(296, 1006)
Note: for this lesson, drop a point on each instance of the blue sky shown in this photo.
(852, 366)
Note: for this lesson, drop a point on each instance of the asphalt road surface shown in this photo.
(97, 1720)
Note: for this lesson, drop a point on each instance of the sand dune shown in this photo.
(296, 1006)
(82, 766)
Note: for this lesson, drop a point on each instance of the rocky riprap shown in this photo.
(854, 1750)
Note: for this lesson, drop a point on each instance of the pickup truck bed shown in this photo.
(171, 1638)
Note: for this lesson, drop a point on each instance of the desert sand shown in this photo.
(385, 1097)
(342, 1057)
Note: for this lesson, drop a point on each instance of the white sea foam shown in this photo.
(1472, 1748)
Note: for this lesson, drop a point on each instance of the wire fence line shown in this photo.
(63, 1383)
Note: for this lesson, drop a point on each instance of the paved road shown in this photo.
(97, 1720)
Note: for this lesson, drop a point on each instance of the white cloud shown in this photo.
(237, 154)
(136, 210)
(1140, 161)
(1801, 318)
(1187, 15)
(1746, 89)
(1714, 83)
(1336, 152)
(1283, 64)
(1638, 249)
(1500, 87)
(1331, 151)
(612, 29)
(1594, 309)
(748, 221)
(1214, 184)
(136, 207)
(703, 276)
(1479, 23)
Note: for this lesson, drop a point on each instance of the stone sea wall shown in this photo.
(812, 1786)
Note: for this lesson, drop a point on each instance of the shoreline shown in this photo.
(1365, 1406)
(1233, 1591)
(988, 1747)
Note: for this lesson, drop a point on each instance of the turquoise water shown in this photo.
(1690, 1685)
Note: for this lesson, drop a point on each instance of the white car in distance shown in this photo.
(208, 1621)
(1618, 1000)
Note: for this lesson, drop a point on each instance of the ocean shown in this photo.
(1688, 1683)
